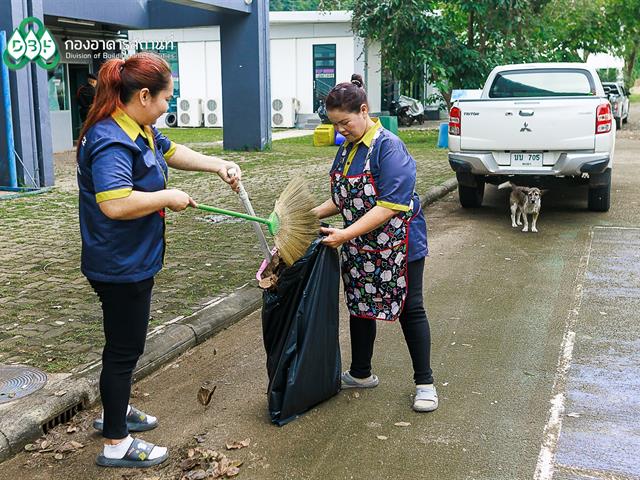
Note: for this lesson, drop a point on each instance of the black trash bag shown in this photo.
(300, 332)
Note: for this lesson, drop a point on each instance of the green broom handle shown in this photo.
(222, 211)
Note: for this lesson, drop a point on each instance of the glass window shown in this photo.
(58, 95)
(542, 83)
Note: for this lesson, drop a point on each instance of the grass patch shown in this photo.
(634, 98)
(193, 135)
(197, 135)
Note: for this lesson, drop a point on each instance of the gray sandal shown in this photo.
(348, 381)
(426, 399)
(136, 457)
(137, 421)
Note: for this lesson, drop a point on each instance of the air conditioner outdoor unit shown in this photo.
(212, 112)
(283, 112)
(189, 112)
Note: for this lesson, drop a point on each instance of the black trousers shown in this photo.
(125, 309)
(415, 327)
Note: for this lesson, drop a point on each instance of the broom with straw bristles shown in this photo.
(299, 226)
(292, 223)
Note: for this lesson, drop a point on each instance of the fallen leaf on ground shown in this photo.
(30, 447)
(206, 393)
(237, 445)
(189, 464)
(402, 424)
(195, 475)
(573, 414)
(381, 437)
(72, 429)
(58, 456)
(69, 447)
(199, 438)
(44, 444)
(60, 393)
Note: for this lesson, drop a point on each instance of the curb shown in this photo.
(436, 193)
(66, 394)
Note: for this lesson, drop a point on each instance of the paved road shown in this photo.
(535, 351)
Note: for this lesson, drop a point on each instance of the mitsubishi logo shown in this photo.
(525, 127)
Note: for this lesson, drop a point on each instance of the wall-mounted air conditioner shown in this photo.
(189, 112)
(212, 112)
(284, 111)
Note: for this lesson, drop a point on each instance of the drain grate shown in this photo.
(17, 381)
(64, 417)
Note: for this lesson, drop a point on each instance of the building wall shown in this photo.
(291, 58)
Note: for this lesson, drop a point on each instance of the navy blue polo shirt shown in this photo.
(394, 173)
(117, 156)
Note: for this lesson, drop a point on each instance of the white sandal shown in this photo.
(426, 399)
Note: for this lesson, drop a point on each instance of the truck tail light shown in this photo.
(603, 118)
(454, 121)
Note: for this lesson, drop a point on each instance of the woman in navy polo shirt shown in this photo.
(384, 239)
(122, 176)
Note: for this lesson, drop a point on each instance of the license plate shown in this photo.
(526, 159)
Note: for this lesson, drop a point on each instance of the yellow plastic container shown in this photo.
(324, 135)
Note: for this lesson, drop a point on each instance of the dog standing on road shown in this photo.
(524, 201)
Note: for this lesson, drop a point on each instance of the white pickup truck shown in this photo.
(538, 124)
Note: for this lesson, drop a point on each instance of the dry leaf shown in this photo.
(69, 447)
(189, 464)
(402, 424)
(44, 444)
(381, 437)
(573, 415)
(30, 447)
(206, 393)
(60, 393)
(72, 429)
(195, 475)
(237, 445)
(232, 472)
(58, 456)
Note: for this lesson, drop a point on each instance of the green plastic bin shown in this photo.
(390, 123)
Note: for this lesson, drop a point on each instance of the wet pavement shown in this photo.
(535, 354)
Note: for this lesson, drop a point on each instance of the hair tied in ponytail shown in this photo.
(357, 82)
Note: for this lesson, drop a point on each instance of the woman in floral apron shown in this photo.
(384, 239)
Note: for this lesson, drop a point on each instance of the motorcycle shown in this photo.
(407, 110)
(322, 113)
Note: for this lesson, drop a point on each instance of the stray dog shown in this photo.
(524, 201)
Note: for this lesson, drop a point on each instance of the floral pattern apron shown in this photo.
(374, 265)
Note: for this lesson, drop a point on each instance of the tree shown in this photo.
(459, 40)
(307, 5)
(627, 46)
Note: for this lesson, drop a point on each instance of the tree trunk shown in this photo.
(629, 64)
(470, 30)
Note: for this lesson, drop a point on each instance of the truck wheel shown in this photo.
(626, 119)
(618, 124)
(600, 195)
(471, 197)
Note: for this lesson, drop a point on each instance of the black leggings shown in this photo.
(125, 309)
(415, 327)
